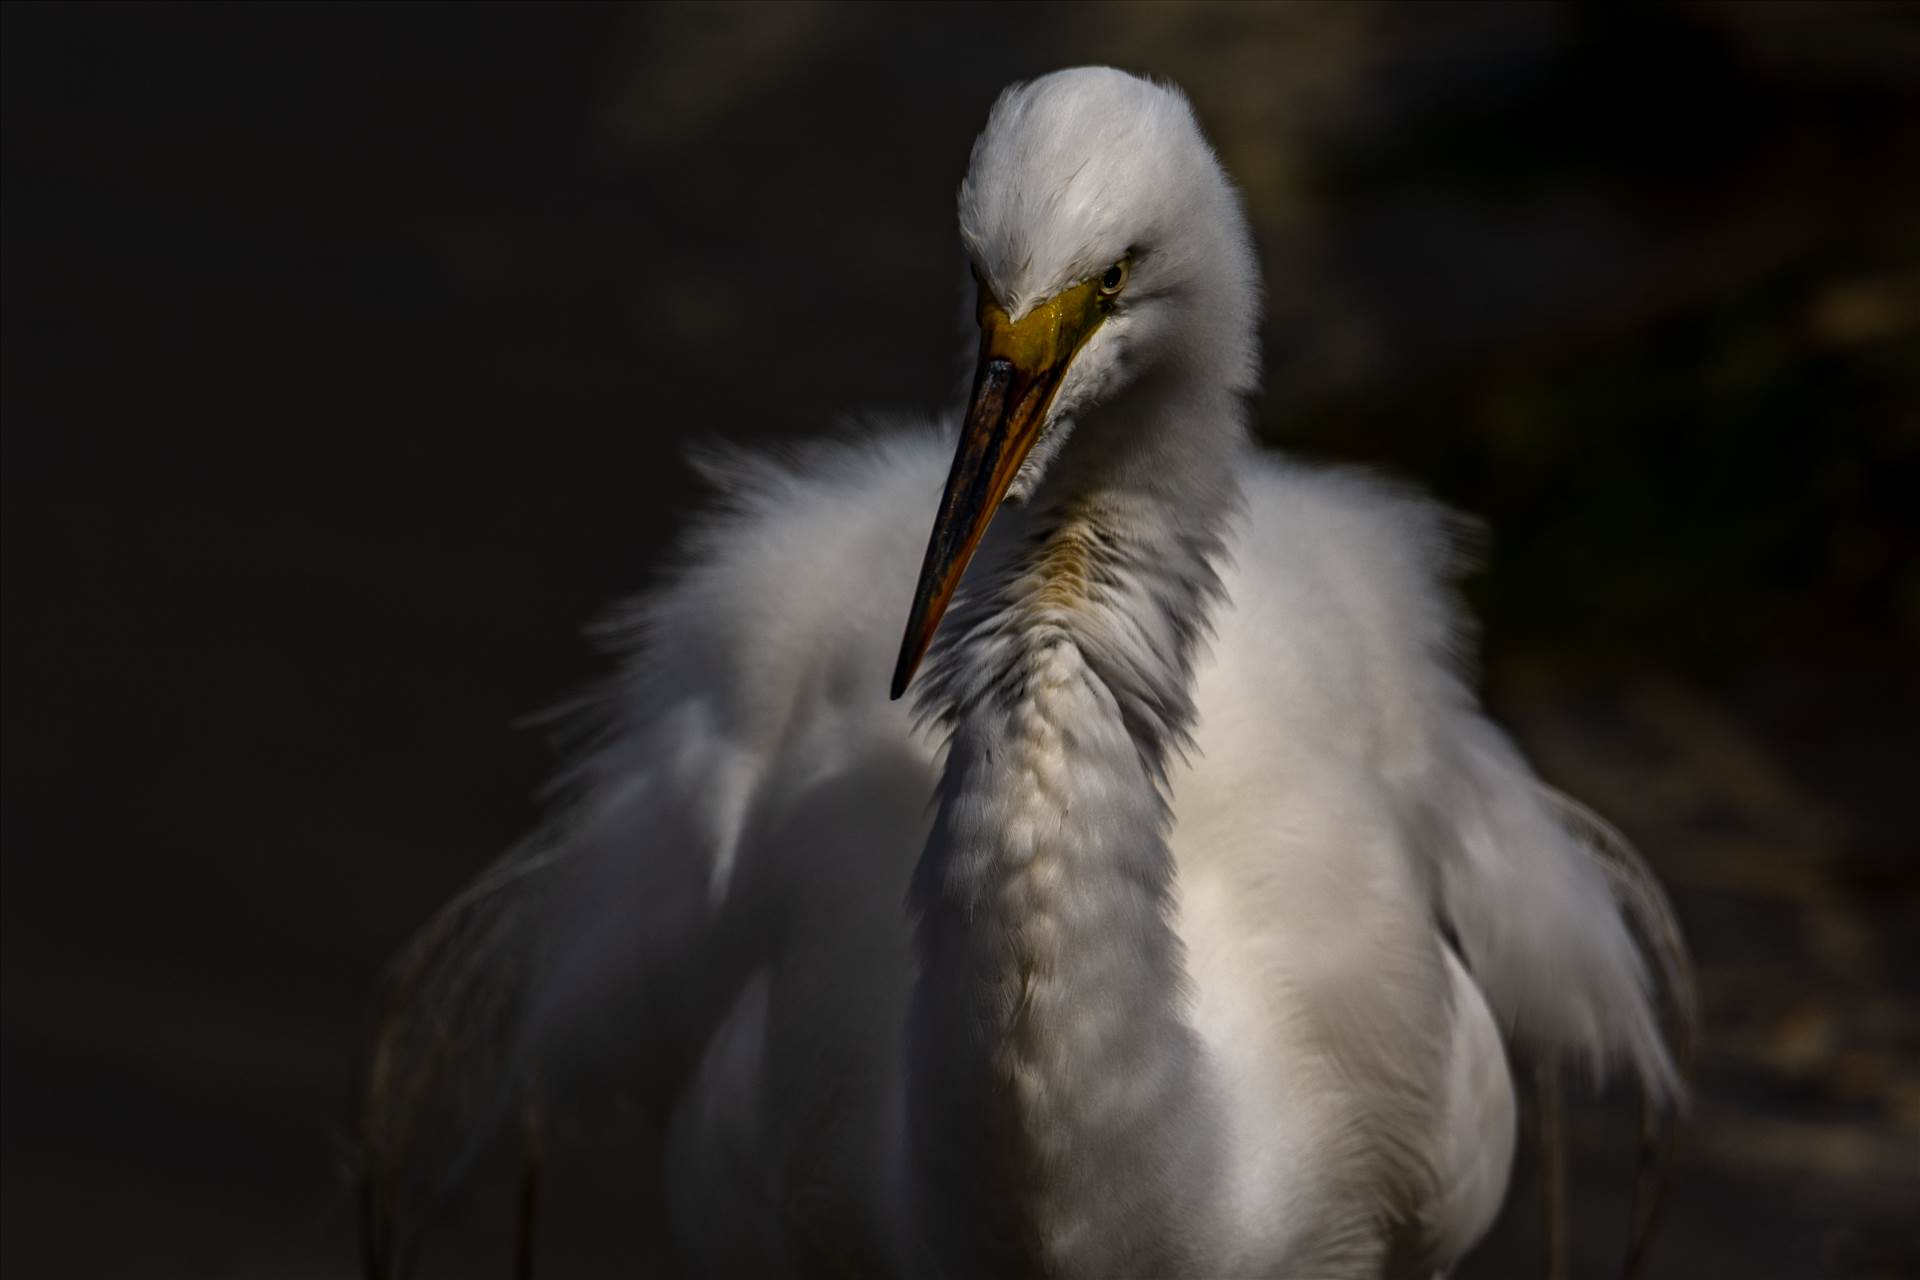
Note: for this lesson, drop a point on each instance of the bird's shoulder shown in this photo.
(1366, 547)
(794, 576)
(1339, 617)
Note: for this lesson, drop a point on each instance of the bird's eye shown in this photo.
(1115, 278)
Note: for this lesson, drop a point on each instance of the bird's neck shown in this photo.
(1060, 1107)
(1115, 558)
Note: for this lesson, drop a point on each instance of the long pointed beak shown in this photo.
(1022, 364)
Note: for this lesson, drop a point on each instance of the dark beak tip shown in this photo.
(903, 670)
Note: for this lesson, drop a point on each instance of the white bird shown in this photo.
(1202, 960)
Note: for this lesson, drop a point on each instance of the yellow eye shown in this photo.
(1115, 278)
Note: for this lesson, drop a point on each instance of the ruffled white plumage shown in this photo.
(1369, 886)
(1342, 801)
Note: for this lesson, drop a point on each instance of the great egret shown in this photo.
(1198, 964)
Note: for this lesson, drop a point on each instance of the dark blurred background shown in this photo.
(349, 353)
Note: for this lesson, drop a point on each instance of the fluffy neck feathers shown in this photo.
(1115, 555)
(1061, 1103)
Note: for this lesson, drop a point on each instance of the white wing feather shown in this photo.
(1344, 600)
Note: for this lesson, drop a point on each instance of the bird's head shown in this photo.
(1107, 245)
